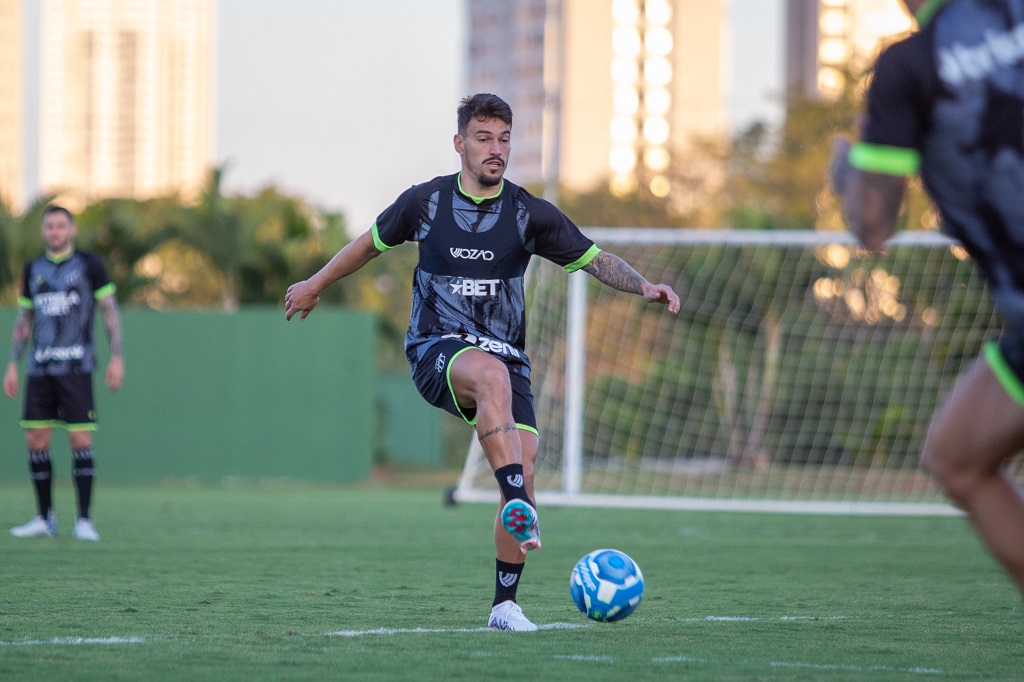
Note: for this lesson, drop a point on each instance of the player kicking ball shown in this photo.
(476, 233)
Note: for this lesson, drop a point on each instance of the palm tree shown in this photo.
(123, 232)
(256, 245)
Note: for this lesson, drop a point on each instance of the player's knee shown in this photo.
(37, 439)
(79, 440)
(493, 384)
(951, 464)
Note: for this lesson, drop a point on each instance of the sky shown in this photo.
(346, 104)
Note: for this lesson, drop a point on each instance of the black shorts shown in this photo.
(430, 374)
(59, 401)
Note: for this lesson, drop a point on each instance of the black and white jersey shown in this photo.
(62, 297)
(949, 101)
(473, 255)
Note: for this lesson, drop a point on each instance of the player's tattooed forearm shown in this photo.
(17, 348)
(611, 270)
(22, 334)
(112, 324)
(498, 429)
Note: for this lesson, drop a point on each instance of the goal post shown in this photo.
(799, 376)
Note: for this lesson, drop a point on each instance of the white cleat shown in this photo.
(38, 527)
(84, 530)
(520, 519)
(508, 616)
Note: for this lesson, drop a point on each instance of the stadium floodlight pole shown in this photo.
(575, 356)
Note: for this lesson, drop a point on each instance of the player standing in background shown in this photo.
(59, 294)
(949, 101)
(476, 233)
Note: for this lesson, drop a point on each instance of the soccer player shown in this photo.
(60, 291)
(949, 102)
(476, 233)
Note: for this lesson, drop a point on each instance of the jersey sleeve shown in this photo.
(398, 223)
(551, 235)
(896, 111)
(99, 280)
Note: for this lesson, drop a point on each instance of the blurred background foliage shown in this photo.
(225, 251)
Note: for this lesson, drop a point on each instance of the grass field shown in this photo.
(382, 582)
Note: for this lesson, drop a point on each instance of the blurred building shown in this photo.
(602, 90)
(828, 39)
(126, 98)
(10, 103)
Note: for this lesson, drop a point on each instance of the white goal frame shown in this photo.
(474, 483)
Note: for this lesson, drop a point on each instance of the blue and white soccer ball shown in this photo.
(606, 585)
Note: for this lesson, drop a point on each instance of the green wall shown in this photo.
(409, 428)
(210, 395)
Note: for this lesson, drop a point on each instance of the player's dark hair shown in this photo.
(482, 106)
(54, 208)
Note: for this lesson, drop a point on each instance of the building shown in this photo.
(126, 98)
(10, 103)
(603, 91)
(827, 40)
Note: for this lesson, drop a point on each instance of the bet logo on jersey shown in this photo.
(476, 287)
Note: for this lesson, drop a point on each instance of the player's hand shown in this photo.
(301, 296)
(662, 293)
(115, 373)
(11, 381)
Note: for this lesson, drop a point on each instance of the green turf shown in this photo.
(247, 582)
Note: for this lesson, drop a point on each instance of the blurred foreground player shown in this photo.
(948, 102)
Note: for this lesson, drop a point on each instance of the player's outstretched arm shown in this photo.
(611, 270)
(303, 296)
(19, 340)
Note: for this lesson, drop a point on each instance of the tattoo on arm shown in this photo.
(112, 324)
(498, 429)
(611, 270)
(22, 334)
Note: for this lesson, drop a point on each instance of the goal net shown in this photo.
(800, 375)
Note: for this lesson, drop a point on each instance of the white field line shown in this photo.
(755, 619)
(420, 631)
(568, 626)
(77, 641)
(919, 670)
(812, 666)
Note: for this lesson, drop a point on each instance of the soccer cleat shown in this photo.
(37, 527)
(84, 530)
(508, 616)
(520, 519)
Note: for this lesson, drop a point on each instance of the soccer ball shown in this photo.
(606, 585)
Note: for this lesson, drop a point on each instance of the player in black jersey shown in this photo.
(949, 101)
(59, 294)
(476, 233)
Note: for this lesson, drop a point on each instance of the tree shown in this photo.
(250, 247)
(777, 179)
(600, 207)
(20, 240)
(124, 232)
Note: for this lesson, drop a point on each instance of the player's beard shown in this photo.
(486, 180)
(59, 246)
